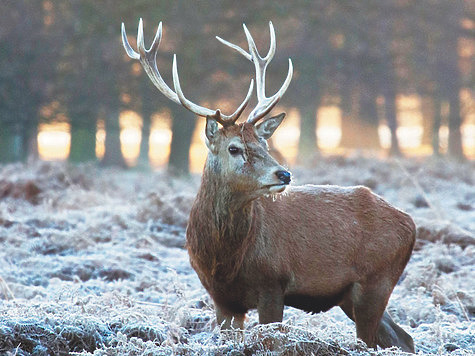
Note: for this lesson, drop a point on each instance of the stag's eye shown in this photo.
(234, 150)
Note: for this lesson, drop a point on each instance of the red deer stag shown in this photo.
(313, 248)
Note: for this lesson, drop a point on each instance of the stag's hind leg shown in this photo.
(391, 334)
(369, 303)
(366, 307)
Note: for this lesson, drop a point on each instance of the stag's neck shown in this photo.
(227, 210)
(221, 228)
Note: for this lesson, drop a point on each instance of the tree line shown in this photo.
(64, 61)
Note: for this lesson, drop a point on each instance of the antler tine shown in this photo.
(140, 38)
(155, 43)
(233, 117)
(265, 104)
(199, 110)
(128, 48)
(269, 103)
(225, 120)
(272, 46)
(237, 48)
(148, 59)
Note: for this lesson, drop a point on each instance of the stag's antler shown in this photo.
(264, 104)
(148, 59)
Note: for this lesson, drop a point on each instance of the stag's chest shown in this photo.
(236, 296)
(235, 293)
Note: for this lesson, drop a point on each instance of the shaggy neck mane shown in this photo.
(221, 226)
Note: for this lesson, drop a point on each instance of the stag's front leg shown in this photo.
(227, 320)
(270, 306)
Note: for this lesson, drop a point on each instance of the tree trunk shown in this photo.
(450, 78)
(453, 83)
(368, 115)
(148, 107)
(7, 152)
(391, 118)
(428, 116)
(183, 125)
(83, 141)
(359, 127)
(25, 143)
(31, 143)
(387, 79)
(18, 142)
(113, 154)
(145, 143)
(455, 148)
(436, 125)
(307, 147)
(348, 104)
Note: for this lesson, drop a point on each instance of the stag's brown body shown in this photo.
(313, 247)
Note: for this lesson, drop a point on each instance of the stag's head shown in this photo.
(238, 153)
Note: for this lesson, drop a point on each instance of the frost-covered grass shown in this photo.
(92, 262)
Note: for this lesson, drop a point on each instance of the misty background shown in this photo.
(392, 77)
(93, 257)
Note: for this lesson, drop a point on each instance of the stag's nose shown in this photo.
(284, 176)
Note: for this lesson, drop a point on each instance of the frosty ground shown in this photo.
(92, 262)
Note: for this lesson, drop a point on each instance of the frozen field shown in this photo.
(92, 262)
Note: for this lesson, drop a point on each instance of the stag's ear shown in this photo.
(267, 127)
(211, 130)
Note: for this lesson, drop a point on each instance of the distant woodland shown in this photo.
(63, 61)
